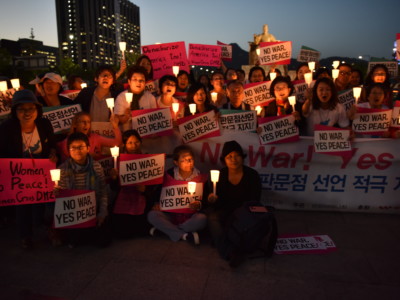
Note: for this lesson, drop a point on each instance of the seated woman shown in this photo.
(197, 94)
(324, 107)
(132, 202)
(181, 226)
(82, 123)
(82, 172)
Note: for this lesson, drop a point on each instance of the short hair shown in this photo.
(136, 69)
(178, 151)
(345, 65)
(165, 78)
(369, 79)
(103, 68)
(127, 134)
(379, 85)
(279, 79)
(72, 79)
(77, 136)
(255, 68)
(234, 82)
(75, 120)
(217, 73)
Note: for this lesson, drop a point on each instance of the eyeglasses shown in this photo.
(80, 148)
(345, 73)
(187, 160)
(26, 110)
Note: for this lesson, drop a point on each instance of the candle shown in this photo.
(15, 83)
(114, 154)
(191, 187)
(311, 66)
(175, 70)
(122, 47)
(272, 75)
(308, 78)
(336, 64)
(258, 110)
(258, 51)
(214, 96)
(3, 86)
(214, 179)
(110, 103)
(83, 85)
(55, 175)
(335, 73)
(292, 101)
(175, 109)
(356, 93)
(128, 98)
(192, 108)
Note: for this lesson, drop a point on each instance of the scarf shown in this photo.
(73, 168)
(135, 101)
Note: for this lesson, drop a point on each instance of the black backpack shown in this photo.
(252, 227)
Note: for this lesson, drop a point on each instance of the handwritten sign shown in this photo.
(238, 120)
(346, 98)
(304, 244)
(103, 128)
(300, 87)
(226, 51)
(152, 121)
(61, 116)
(25, 181)
(278, 53)
(175, 196)
(204, 55)
(331, 140)
(151, 86)
(164, 56)
(281, 129)
(144, 169)
(198, 127)
(307, 54)
(395, 119)
(372, 121)
(75, 209)
(258, 93)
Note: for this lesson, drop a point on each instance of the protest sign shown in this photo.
(304, 244)
(395, 119)
(346, 98)
(146, 169)
(70, 94)
(107, 163)
(390, 65)
(102, 128)
(300, 87)
(372, 121)
(238, 120)
(307, 54)
(331, 140)
(204, 55)
(25, 181)
(226, 51)
(152, 121)
(164, 56)
(258, 93)
(279, 53)
(175, 196)
(398, 46)
(61, 116)
(75, 209)
(280, 129)
(198, 126)
(151, 86)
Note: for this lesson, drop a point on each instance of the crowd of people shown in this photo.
(128, 211)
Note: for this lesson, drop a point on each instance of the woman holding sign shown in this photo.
(27, 135)
(179, 216)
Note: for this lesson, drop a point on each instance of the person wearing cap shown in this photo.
(51, 86)
(237, 184)
(26, 134)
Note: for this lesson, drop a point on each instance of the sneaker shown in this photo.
(193, 237)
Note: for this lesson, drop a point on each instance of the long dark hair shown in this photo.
(316, 103)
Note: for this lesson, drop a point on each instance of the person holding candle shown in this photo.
(218, 83)
(235, 93)
(181, 226)
(51, 86)
(168, 85)
(183, 81)
(301, 70)
(81, 122)
(82, 172)
(324, 107)
(343, 81)
(230, 74)
(257, 74)
(132, 203)
(356, 78)
(379, 74)
(197, 94)
(237, 184)
(26, 134)
(141, 99)
(93, 99)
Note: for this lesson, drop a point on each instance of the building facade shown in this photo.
(89, 31)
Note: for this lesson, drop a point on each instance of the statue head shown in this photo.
(265, 28)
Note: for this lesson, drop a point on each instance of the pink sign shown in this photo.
(280, 129)
(25, 181)
(146, 169)
(204, 55)
(304, 244)
(395, 120)
(332, 140)
(164, 56)
(226, 51)
(199, 126)
(278, 53)
(372, 121)
(153, 121)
